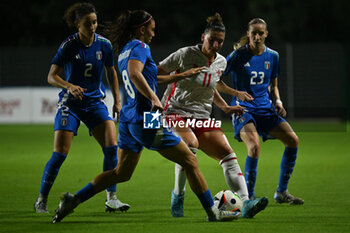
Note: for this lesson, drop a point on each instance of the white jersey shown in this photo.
(192, 96)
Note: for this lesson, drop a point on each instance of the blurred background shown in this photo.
(310, 36)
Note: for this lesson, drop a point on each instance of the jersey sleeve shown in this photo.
(172, 62)
(140, 52)
(231, 62)
(276, 67)
(109, 56)
(60, 58)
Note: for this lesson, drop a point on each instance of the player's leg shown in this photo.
(105, 134)
(182, 155)
(126, 165)
(250, 137)
(62, 143)
(286, 134)
(215, 144)
(178, 193)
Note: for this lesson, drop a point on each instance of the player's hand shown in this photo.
(156, 105)
(193, 71)
(116, 111)
(244, 96)
(76, 91)
(238, 110)
(280, 110)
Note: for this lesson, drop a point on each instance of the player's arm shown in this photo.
(279, 106)
(54, 79)
(242, 95)
(165, 78)
(112, 80)
(135, 68)
(221, 103)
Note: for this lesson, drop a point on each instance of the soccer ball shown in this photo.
(227, 200)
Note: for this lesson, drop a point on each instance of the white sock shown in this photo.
(180, 176)
(111, 195)
(234, 177)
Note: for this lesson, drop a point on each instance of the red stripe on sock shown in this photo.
(228, 160)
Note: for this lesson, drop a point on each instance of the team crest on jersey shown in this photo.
(63, 121)
(267, 65)
(241, 119)
(98, 55)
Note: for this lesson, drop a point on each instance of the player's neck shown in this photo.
(86, 40)
(257, 50)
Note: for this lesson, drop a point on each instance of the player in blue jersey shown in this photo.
(82, 57)
(255, 68)
(131, 34)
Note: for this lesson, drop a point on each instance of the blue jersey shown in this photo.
(84, 65)
(136, 103)
(253, 74)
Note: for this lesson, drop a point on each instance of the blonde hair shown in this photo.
(244, 39)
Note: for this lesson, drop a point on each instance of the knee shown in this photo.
(121, 176)
(254, 149)
(63, 149)
(192, 143)
(293, 141)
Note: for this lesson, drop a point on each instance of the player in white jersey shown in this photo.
(190, 100)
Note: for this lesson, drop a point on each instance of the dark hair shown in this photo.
(77, 11)
(215, 23)
(124, 27)
(244, 39)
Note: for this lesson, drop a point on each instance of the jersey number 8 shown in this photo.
(127, 84)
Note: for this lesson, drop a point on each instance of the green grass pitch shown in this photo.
(321, 177)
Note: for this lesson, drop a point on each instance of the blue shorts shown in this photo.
(263, 123)
(68, 117)
(133, 137)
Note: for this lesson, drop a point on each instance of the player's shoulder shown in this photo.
(103, 40)
(69, 41)
(272, 52)
(241, 51)
(135, 43)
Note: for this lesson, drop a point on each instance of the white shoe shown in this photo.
(286, 197)
(40, 207)
(114, 204)
(217, 215)
(67, 204)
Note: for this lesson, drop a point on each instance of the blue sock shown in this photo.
(50, 172)
(287, 167)
(86, 193)
(110, 161)
(250, 172)
(206, 199)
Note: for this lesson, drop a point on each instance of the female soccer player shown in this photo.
(83, 57)
(255, 67)
(191, 99)
(131, 34)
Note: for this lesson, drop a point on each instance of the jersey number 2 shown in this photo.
(127, 84)
(88, 67)
(255, 76)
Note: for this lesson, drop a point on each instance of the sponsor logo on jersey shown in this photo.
(151, 120)
(98, 55)
(267, 65)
